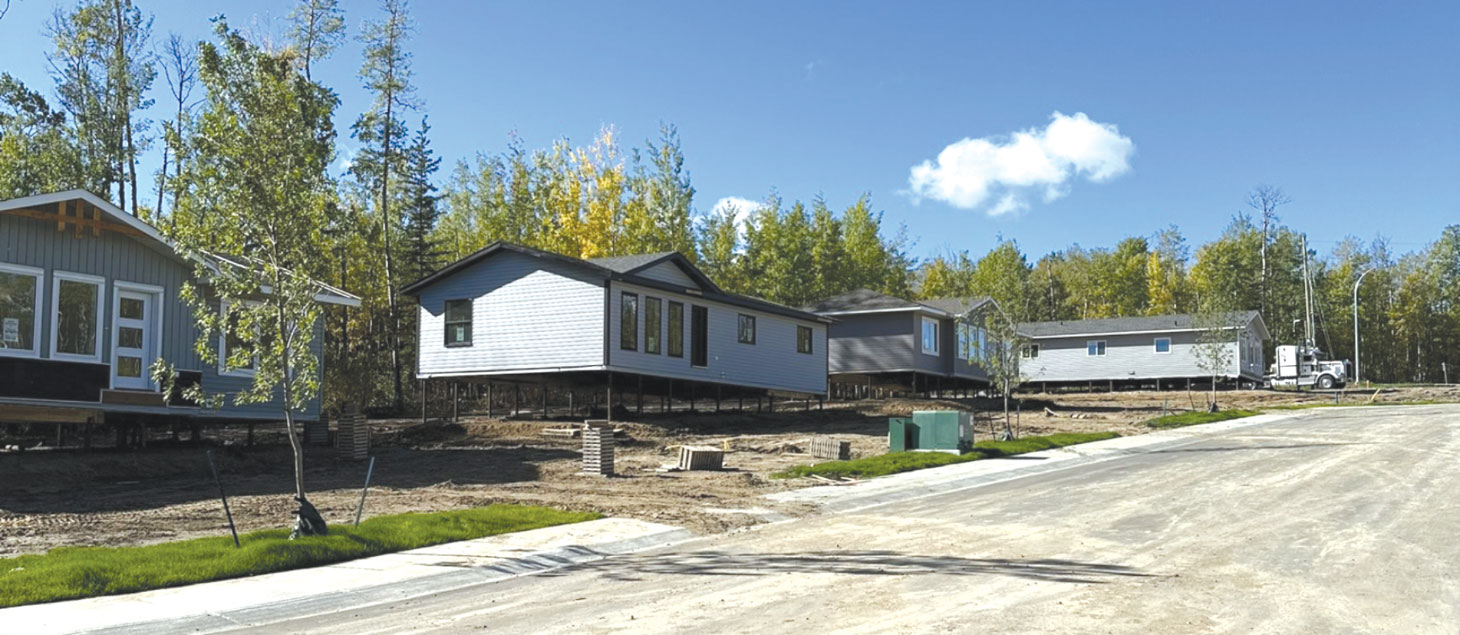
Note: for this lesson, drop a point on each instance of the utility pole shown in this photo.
(1357, 282)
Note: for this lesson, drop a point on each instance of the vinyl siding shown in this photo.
(772, 362)
(120, 258)
(528, 314)
(872, 342)
(940, 363)
(671, 273)
(1127, 357)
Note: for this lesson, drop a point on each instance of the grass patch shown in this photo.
(895, 462)
(67, 573)
(1193, 418)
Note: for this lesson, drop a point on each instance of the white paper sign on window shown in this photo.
(12, 331)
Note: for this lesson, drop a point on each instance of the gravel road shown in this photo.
(1337, 521)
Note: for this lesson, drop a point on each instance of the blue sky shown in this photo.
(1351, 108)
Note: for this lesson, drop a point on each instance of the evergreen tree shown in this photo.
(316, 28)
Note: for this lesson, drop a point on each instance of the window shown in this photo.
(804, 339)
(652, 325)
(1163, 345)
(964, 341)
(20, 296)
(676, 329)
(1030, 351)
(628, 322)
(981, 343)
(234, 358)
(746, 332)
(1095, 348)
(930, 336)
(76, 317)
(458, 323)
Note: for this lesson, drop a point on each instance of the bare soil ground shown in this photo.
(65, 498)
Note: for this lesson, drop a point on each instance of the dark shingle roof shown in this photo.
(625, 264)
(861, 300)
(1182, 322)
(956, 306)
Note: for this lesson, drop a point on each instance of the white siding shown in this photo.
(772, 362)
(1126, 357)
(671, 273)
(527, 314)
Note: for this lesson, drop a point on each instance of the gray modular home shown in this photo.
(1155, 350)
(652, 323)
(88, 300)
(890, 343)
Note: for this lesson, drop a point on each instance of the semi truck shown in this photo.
(1303, 366)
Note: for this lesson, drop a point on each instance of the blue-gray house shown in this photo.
(88, 300)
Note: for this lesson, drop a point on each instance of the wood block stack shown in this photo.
(317, 432)
(701, 458)
(829, 448)
(352, 440)
(598, 448)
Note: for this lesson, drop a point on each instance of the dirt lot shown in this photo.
(54, 498)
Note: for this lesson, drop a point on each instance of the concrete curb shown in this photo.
(269, 598)
(961, 476)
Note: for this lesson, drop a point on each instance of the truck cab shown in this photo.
(1305, 367)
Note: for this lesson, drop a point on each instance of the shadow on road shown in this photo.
(719, 563)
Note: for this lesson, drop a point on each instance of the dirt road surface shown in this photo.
(1336, 521)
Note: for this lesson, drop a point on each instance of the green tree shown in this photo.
(316, 29)
(36, 151)
(256, 198)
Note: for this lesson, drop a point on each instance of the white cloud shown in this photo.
(744, 207)
(999, 173)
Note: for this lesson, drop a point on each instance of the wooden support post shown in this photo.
(423, 401)
(770, 403)
(640, 407)
(490, 396)
(671, 395)
(691, 396)
(820, 402)
(740, 402)
(250, 433)
(572, 408)
(455, 402)
(86, 434)
(516, 399)
(609, 403)
(717, 398)
(542, 389)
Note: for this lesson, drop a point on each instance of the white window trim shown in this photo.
(36, 311)
(924, 340)
(1155, 346)
(223, 370)
(1098, 346)
(157, 293)
(57, 277)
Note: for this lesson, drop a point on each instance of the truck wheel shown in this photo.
(1325, 382)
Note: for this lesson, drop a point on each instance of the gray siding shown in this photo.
(528, 314)
(938, 364)
(671, 273)
(772, 362)
(119, 258)
(872, 342)
(1130, 356)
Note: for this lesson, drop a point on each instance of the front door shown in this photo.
(699, 336)
(132, 352)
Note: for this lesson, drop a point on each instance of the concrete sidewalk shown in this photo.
(951, 478)
(264, 599)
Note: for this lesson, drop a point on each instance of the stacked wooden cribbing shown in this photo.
(352, 439)
(317, 432)
(829, 448)
(598, 447)
(701, 458)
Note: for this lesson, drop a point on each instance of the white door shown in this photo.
(132, 352)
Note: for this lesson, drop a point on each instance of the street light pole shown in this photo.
(1356, 320)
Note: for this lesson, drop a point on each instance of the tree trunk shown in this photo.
(385, 221)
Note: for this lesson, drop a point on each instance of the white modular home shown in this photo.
(1156, 351)
(650, 323)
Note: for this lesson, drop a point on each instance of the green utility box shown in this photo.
(931, 430)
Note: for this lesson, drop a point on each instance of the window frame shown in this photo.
(653, 340)
(1029, 351)
(923, 335)
(446, 323)
(1099, 347)
(740, 322)
(963, 349)
(624, 328)
(675, 344)
(36, 316)
(57, 277)
(1156, 345)
(810, 339)
(158, 294)
(223, 369)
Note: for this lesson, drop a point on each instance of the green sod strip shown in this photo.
(896, 462)
(1193, 418)
(67, 573)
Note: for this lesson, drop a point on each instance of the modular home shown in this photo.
(880, 341)
(648, 323)
(89, 299)
(1156, 351)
